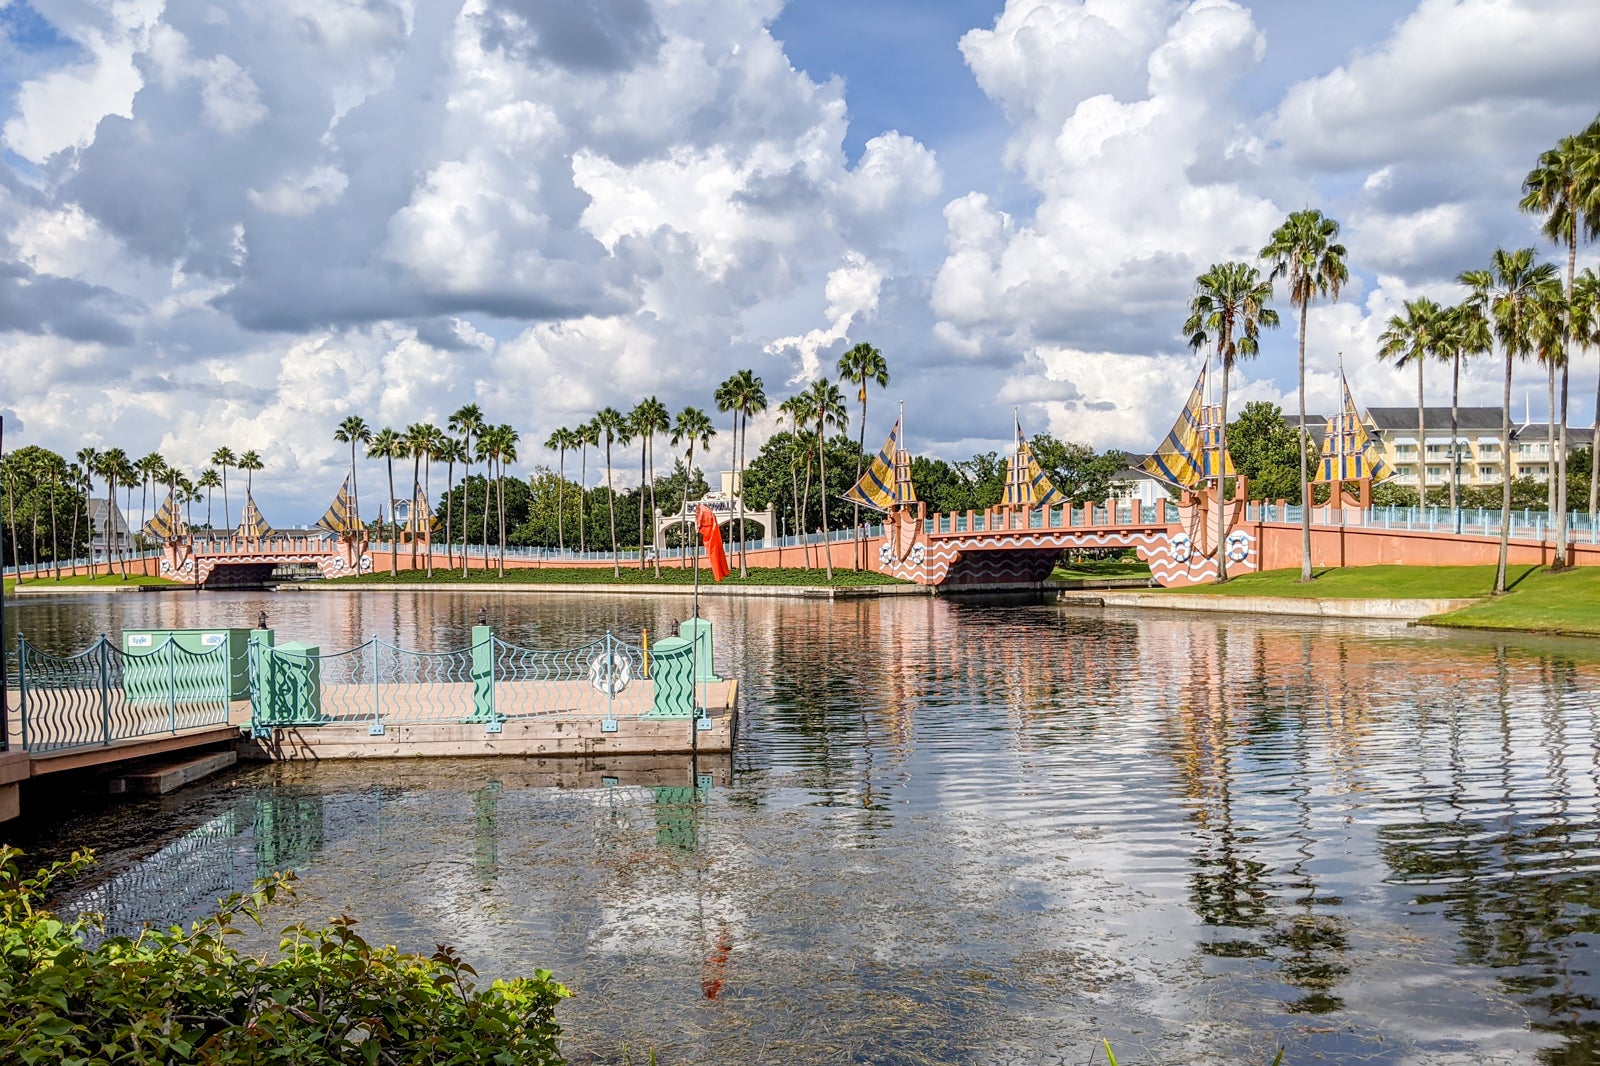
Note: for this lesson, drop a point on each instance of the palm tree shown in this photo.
(151, 468)
(587, 434)
(1411, 339)
(388, 445)
(1564, 187)
(827, 407)
(1547, 330)
(418, 441)
(1586, 332)
(353, 431)
(612, 425)
(250, 462)
(466, 423)
(742, 394)
(798, 411)
(1505, 293)
(224, 458)
(78, 482)
(109, 464)
(862, 365)
(649, 418)
(1305, 250)
(1229, 297)
(89, 459)
(559, 441)
(209, 480)
(506, 439)
(690, 427)
(1462, 332)
(452, 451)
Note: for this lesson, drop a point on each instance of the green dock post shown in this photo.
(672, 675)
(483, 677)
(699, 629)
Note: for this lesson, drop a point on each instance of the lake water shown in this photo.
(956, 832)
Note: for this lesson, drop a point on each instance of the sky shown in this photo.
(235, 224)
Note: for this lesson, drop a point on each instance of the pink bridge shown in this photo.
(195, 562)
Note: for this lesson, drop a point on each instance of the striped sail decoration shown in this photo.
(167, 523)
(1348, 454)
(341, 518)
(421, 516)
(1192, 453)
(886, 483)
(251, 525)
(1027, 485)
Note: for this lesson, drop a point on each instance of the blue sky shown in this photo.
(228, 224)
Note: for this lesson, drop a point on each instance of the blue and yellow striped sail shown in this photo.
(1348, 454)
(167, 523)
(1192, 454)
(1027, 485)
(420, 517)
(886, 483)
(251, 525)
(341, 518)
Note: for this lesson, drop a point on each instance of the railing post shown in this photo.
(22, 685)
(610, 713)
(376, 728)
(105, 688)
(172, 689)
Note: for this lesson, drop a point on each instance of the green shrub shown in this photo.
(189, 996)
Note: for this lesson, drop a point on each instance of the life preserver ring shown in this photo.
(610, 672)
(885, 553)
(1182, 547)
(918, 555)
(1238, 547)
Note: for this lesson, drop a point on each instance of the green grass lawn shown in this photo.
(1363, 583)
(98, 581)
(1101, 569)
(631, 575)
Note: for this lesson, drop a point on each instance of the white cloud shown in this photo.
(852, 294)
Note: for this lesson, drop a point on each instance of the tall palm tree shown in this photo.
(109, 465)
(208, 480)
(862, 365)
(78, 482)
(89, 460)
(224, 458)
(798, 411)
(1547, 331)
(587, 434)
(613, 427)
(1462, 332)
(827, 407)
(1586, 332)
(1228, 310)
(388, 445)
(692, 426)
(419, 439)
(1410, 339)
(353, 431)
(151, 468)
(1306, 251)
(742, 394)
(649, 418)
(250, 462)
(467, 422)
(558, 442)
(1564, 187)
(452, 450)
(1505, 293)
(506, 439)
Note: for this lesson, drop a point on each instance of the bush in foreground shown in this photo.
(189, 996)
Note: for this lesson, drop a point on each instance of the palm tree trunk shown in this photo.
(1505, 479)
(1305, 484)
(355, 492)
(561, 500)
(1222, 482)
(1550, 442)
(686, 478)
(500, 505)
(466, 509)
(488, 485)
(1455, 432)
(394, 528)
(55, 535)
(655, 555)
(128, 550)
(822, 485)
(449, 510)
(411, 513)
(644, 448)
(1422, 446)
(611, 511)
(1594, 449)
(226, 510)
(583, 476)
(805, 508)
(1561, 464)
(861, 449)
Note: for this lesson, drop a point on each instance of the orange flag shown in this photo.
(711, 537)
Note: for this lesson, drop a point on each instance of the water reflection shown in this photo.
(969, 832)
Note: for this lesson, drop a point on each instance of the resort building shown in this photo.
(1475, 449)
(107, 533)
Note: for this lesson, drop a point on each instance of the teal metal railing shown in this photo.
(102, 695)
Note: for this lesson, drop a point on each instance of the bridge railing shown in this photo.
(475, 552)
(487, 683)
(1526, 523)
(1069, 516)
(103, 695)
(44, 568)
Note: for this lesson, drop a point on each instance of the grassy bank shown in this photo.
(98, 581)
(631, 575)
(1536, 601)
(1101, 570)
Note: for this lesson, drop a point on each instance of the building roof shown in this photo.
(1436, 419)
(97, 517)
